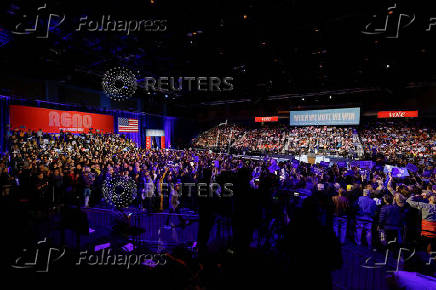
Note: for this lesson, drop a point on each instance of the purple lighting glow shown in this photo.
(102, 246)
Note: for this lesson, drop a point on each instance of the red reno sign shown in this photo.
(52, 121)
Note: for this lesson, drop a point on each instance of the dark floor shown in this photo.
(175, 236)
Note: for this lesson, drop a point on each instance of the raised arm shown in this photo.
(389, 185)
(416, 204)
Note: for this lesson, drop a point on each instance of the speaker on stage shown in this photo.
(311, 158)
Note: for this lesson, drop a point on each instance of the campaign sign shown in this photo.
(54, 121)
(346, 116)
(396, 171)
(324, 164)
(341, 164)
(355, 164)
(412, 168)
(366, 164)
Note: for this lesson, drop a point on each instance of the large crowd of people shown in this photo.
(396, 142)
(400, 142)
(220, 136)
(360, 205)
(281, 139)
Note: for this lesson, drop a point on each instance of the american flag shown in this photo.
(127, 125)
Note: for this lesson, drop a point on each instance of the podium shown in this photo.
(311, 158)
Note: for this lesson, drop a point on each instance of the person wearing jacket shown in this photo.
(390, 221)
(341, 209)
(365, 217)
(428, 223)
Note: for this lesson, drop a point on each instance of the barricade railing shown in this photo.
(154, 228)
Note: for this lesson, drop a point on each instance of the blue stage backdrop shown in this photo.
(146, 120)
(169, 123)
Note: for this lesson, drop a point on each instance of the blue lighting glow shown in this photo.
(5, 37)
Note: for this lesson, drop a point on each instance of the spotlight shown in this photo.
(330, 97)
(302, 99)
(245, 16)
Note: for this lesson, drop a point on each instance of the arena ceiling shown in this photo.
(274, 50)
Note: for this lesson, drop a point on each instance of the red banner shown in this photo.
(266, 119)
(162, 142)
(397, 114)
(148, 142)
(52, 121)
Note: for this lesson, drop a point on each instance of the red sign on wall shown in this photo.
(266, 119)
(52, 121)
(397, 114)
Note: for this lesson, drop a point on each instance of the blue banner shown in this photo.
(411, 167)
(348, 116)
(324, 164)
(366, 164)
(341, 164)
